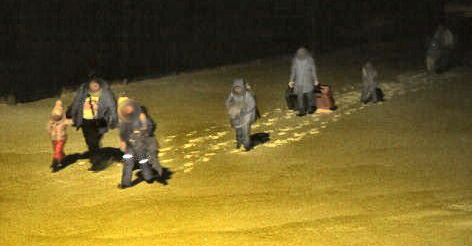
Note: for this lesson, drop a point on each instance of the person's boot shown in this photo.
(56, 165)
(248, 146)
(301, 113)
(120, 186)
(312, 110)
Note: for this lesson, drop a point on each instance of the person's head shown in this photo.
(237, 90)
(94, 86)
(128, 109)
(57, 113)
(302, 53)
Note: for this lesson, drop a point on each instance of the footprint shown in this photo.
(210, 154)
(187, 170)
(165, 149)
(324, 126)
(189, 145)
(188, 164)
(281, 133)
(268, 124)
(302, 134)
(166, 161)
(188, 156)
(191, 133)
(196, 140)
(205, 159)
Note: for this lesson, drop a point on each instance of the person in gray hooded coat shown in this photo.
(303, 79)
(370, 90)
(241, 107)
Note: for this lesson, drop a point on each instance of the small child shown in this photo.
(241, 107)
(57, 129)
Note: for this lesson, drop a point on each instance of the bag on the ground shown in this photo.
(324, 98)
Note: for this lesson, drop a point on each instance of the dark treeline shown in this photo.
(50, 44)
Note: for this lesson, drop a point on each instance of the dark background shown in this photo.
(46, 45)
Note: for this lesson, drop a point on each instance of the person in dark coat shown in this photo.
(137, 142)
(440, 49)
(94, 111)
(370, 90)
(241, 107)
(303, 80)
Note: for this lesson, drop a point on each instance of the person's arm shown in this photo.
(110, 113)
(313, 71)
(293, 72)
(50, 127)
(72, 110)
(229, 100)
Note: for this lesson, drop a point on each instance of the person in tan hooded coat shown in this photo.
(57, 129)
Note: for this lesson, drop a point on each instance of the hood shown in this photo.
(57, 114)
(302, 54)
(239, 83)
(101, 82)
(125, 116)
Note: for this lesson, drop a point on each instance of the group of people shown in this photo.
(95, 111)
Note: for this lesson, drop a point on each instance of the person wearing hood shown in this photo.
(440, 49)
(241, 107)
(57, 129)
(137, 142)
(94, 111)
(370, 91)
(303, 80)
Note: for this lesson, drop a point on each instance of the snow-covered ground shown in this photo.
(393, 173)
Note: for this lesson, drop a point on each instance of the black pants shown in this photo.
(92, 135)
(145, 164)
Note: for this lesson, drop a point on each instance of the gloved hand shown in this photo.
(291, 84)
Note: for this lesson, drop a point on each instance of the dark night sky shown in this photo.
(49, 44)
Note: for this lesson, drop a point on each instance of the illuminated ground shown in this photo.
(397, 173)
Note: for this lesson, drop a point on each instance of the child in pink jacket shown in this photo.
(57, 129)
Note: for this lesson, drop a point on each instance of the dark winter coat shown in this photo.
(241, 107)
(138, 136)
(107, 115)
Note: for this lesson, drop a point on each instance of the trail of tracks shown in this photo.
(282, 125)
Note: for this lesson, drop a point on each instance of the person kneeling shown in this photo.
(137, 143)
(241, 108)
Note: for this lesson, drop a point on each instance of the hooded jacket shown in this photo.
(369, 73)
(303, 73)
(241, 106)
(106, 115)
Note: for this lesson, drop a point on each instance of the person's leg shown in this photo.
(128, 165)
(301, 104)
(310, 102)
(239, 133)
(91, 135)
(59, 150)
(245, 136)
(374, 94)
(146, 170)
(155, 164)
